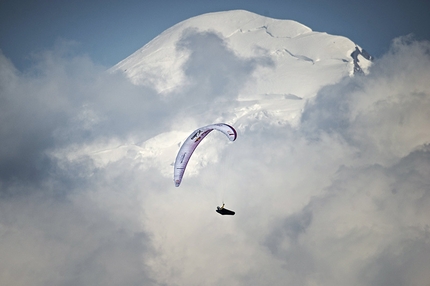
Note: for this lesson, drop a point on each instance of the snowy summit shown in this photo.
(296, 62)
(249, 68)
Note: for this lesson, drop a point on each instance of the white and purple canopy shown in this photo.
(191, 144)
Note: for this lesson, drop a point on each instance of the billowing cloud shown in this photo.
(212, 68)
(343, 198)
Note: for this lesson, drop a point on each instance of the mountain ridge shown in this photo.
(244, 33)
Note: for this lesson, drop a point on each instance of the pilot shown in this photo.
(220, 208)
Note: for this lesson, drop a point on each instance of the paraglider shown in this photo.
(191, 144)
(223, 211)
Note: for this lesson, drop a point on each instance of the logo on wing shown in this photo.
(199, 135)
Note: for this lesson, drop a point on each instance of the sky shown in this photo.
(343, 198)
(109, 31)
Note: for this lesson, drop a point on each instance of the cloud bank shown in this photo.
(341, 199)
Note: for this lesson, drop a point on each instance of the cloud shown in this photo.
(342, 198)
(383, 114)
(373, 213)
(71, 242)
(65, 99)
(212, 68)
(67, 222)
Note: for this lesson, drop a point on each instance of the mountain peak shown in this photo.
(241, 68)
(290, 45)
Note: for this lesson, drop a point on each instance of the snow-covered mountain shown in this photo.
(299, 62)
(299, 54)
(278, 65)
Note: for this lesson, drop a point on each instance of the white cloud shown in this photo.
(341, 199)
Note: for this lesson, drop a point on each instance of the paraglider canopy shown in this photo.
(191, 144)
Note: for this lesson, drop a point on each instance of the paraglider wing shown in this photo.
(191, 144)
